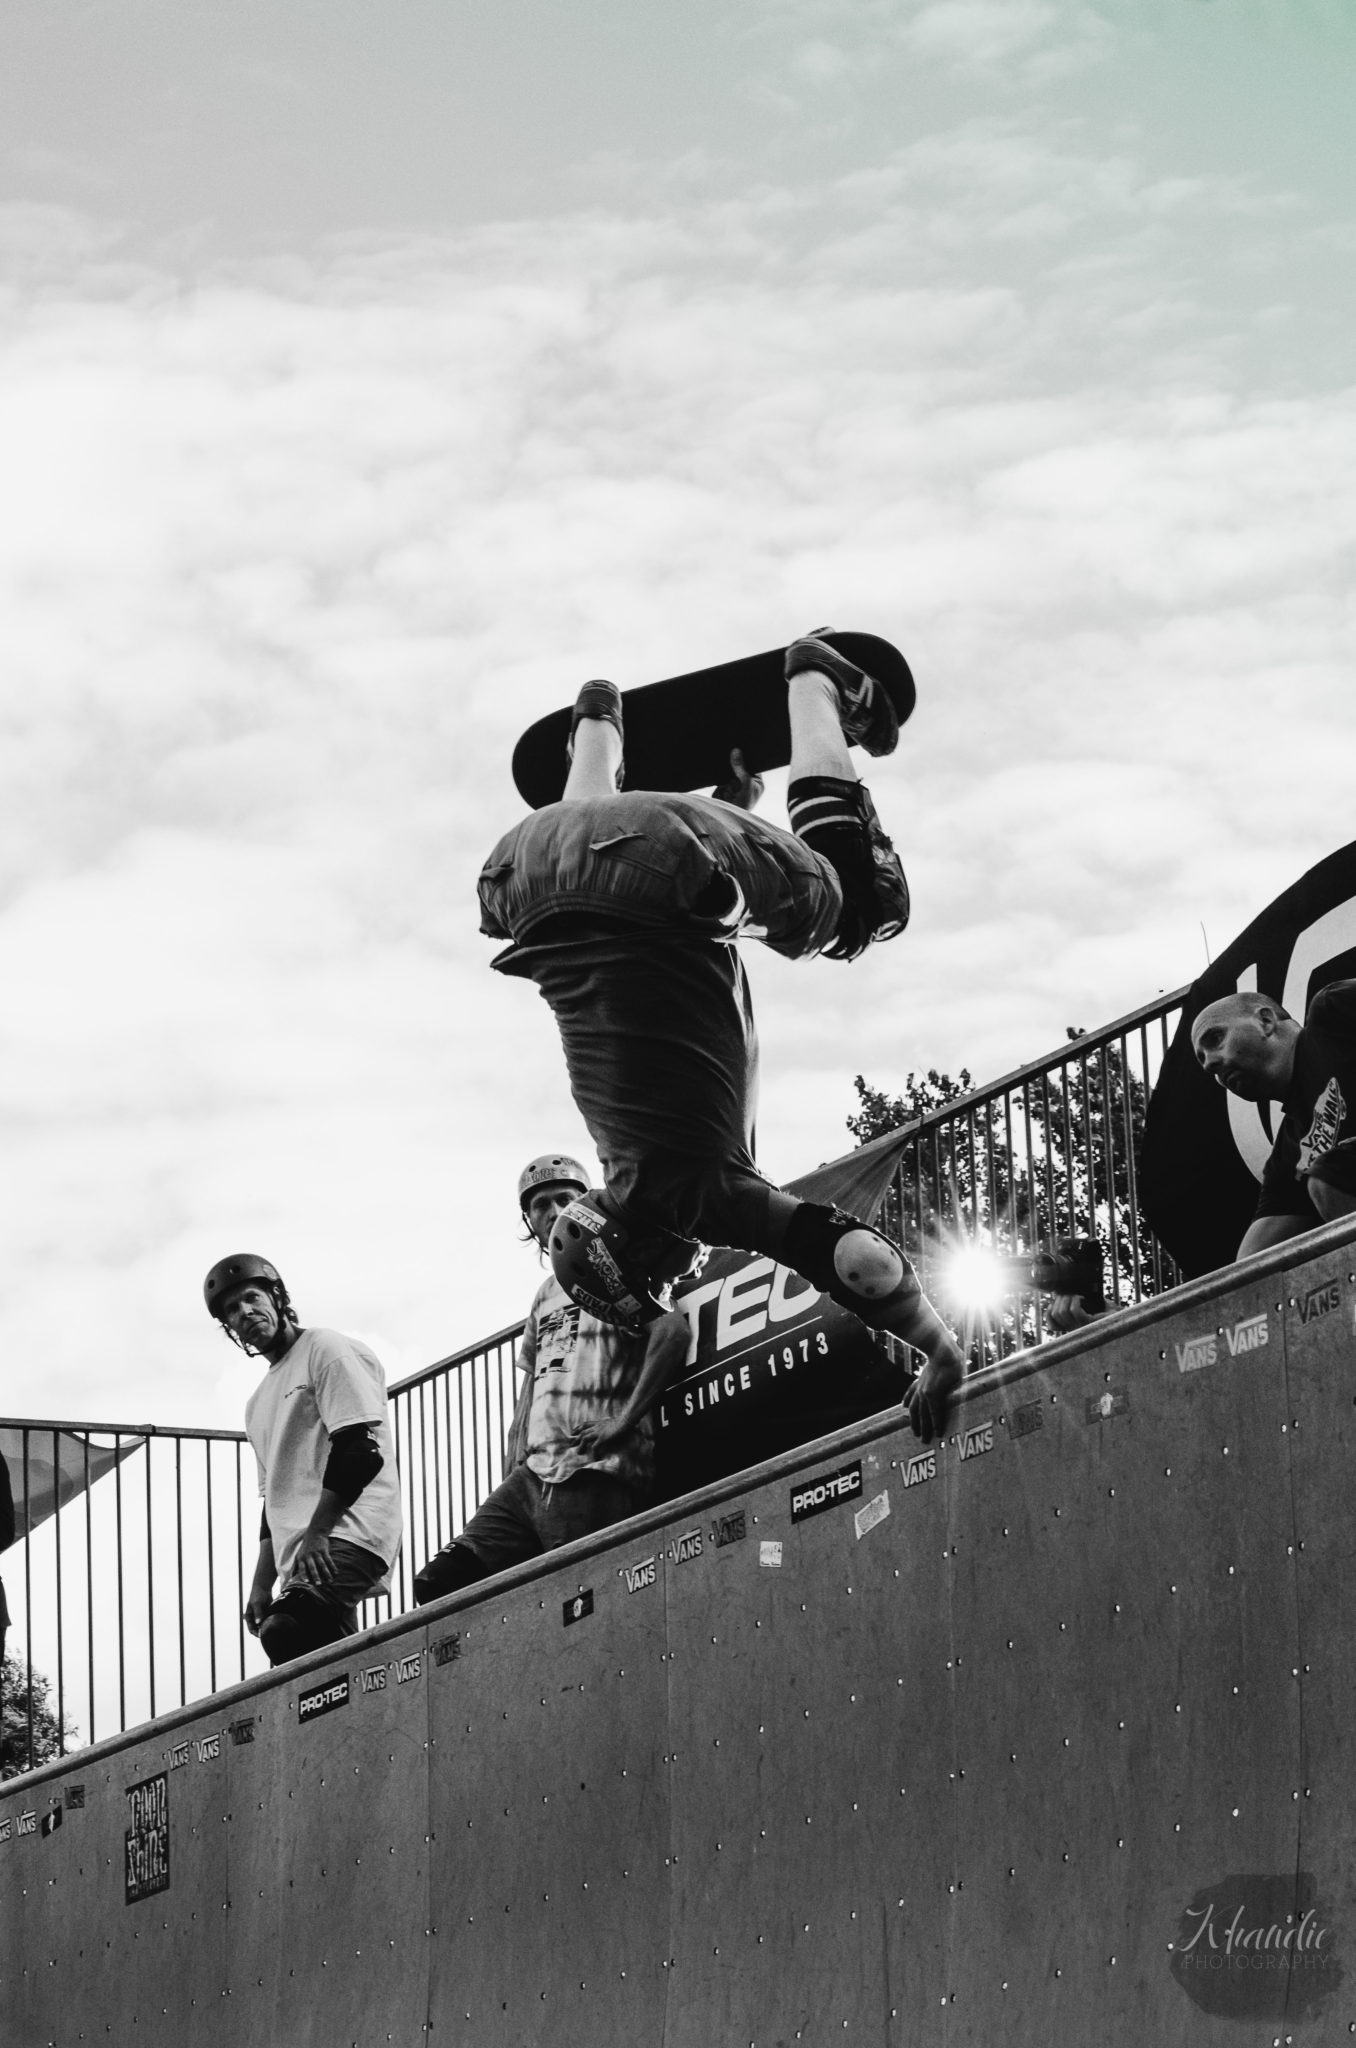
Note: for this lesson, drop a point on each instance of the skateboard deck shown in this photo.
(679, 732)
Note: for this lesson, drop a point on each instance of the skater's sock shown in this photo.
(825, 813)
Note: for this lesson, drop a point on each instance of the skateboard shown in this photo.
(679, 732)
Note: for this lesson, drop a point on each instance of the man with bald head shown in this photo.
(1251, 1045)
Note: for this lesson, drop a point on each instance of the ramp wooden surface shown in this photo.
(875, 1747)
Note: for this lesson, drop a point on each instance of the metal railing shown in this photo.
(128, 1598)
(1049, 1152)
(127, 1581)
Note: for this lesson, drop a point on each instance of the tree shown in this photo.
(49, 1737)
(880, 1113)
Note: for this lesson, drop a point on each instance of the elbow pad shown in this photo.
(353, 1463)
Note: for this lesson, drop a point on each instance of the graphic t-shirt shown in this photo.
(326, 1382)
(580, 1371)
(1318, 1130)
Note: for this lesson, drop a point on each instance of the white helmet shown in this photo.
(551, 1169)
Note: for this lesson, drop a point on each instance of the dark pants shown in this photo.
(624, 911)
(522, 1518)
(305, 1618)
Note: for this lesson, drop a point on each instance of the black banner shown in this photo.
(1204, 1149)
(776, 1364)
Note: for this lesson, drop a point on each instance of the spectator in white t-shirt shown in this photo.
(327, 1470)
(580, 1451)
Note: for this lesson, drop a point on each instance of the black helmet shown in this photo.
(230, 1274)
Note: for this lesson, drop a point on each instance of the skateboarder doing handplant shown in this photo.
(624, 907)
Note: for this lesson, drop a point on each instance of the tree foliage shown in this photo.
(16, 1684)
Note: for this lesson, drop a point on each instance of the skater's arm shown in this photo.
(665, 1352)
(929, 1399)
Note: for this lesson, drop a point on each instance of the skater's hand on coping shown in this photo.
(928, 1401)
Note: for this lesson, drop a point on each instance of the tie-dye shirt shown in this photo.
(579, 1371)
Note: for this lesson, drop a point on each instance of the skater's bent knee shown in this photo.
(855, 1265)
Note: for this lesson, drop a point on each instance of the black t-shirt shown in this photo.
(1318, 1131)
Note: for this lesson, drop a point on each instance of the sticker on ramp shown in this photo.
(1320, 1301)
(770, 1554)
(577, 1607)
(817, 1496)
(1101, 1407)
(147, 1867)
(872, 1515)
(1026, 1420)
(322, 1699)
(976, 1441)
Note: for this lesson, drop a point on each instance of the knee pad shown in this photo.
(295, 1624)
(854, 1264)
(452, 1568)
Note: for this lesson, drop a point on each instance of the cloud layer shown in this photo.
(290, 551)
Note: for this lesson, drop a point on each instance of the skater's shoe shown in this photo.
(601, 700)
(864, 709)
(875, 892)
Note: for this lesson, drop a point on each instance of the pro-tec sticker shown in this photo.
(322, 1699)
(817, 1496)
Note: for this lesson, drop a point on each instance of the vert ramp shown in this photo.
(1046, 1737)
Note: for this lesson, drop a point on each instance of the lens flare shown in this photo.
(974, 1279)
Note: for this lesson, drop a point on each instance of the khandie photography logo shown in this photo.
(1257, 1947)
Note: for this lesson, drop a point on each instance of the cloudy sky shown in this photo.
(372, 371)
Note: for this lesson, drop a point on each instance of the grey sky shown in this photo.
(266, 124)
